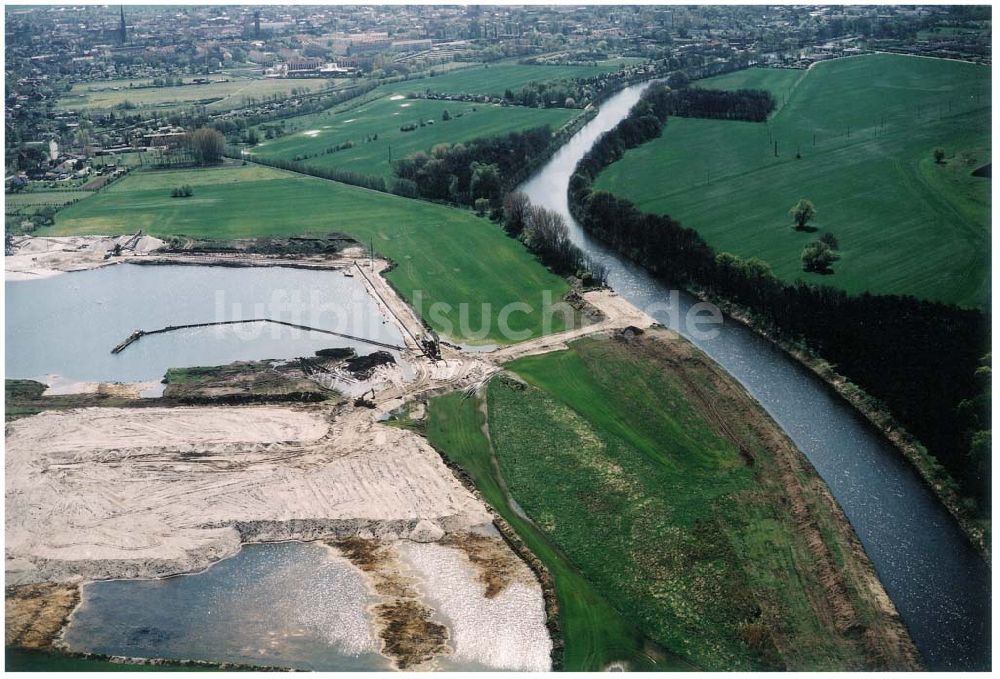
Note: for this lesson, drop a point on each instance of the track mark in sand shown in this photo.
(409, 637)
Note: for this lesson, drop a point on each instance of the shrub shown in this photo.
(830, 240)
(817, 257)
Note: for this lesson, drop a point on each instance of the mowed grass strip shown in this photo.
(442, 254)
(905, 224)
(375, 131)
(614, 451)
(594, 632)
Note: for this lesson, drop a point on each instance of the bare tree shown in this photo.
(206, 145)
(546, 234)
(515, 213)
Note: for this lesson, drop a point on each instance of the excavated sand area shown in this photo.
(38, 257)
(102, 493)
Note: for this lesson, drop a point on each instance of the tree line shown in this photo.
(545, 234)
(921, 359)
(694, 102)
(465, 172)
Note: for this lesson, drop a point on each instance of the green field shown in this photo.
(904, 223)
(449, 255)
(623, 459)
(494, 79)
(309, 138)
(231, 94)
(24, 199)
(595, 634)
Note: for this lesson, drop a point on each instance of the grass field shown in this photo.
(16, 201)
(493, 79)
(623, 458)
(595, 633)
(313, 138)
(231, 94)
(449, 255)
(904, 223)
(309, 137)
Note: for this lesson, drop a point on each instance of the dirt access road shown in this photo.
(101, 492)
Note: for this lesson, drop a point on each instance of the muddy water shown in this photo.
(66, 325)
(290, 604)
(940, 585)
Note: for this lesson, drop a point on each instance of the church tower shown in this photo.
(121, 26)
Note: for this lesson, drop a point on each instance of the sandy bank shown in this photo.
(40, 257)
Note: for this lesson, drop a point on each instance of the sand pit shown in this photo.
(38, 257)
(108, 493)
(105, 493)
(55, 434)
(396, 97)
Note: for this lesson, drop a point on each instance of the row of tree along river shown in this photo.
(937, 580)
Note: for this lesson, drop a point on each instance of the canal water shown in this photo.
(66, 325)
(295, 605)
(938, 582)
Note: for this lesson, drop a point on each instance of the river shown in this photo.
(938, 582)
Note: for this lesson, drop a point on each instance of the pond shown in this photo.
(66, 325)
(291, 604)
(302, 605)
